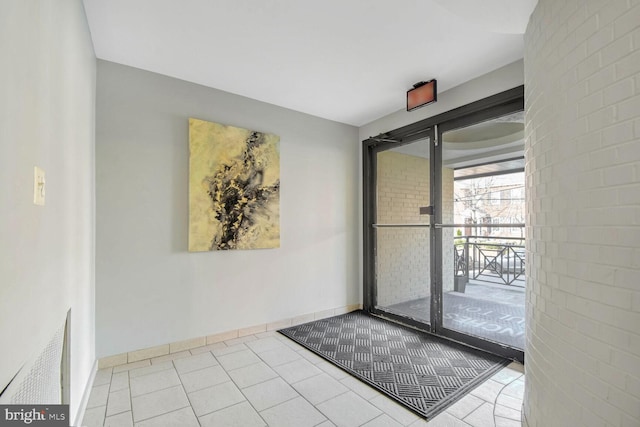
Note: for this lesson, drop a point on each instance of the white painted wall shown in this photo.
(583, 221)
(47, 99)
(149, 289)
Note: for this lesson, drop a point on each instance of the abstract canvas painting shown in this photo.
(234, 188)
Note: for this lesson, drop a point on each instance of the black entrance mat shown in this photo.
(421, 371)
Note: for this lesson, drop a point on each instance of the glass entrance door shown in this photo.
(481, 230)
(401, 230)
(443, 205)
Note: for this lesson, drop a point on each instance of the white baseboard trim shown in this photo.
(77, 420)
(165, 349)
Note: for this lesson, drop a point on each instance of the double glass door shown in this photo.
(444, 233)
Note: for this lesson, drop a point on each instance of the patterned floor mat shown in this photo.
(421, 371)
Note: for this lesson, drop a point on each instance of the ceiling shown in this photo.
(490, 147)
(351, 61)
(480, 144)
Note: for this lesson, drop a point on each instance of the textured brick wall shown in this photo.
(402, 253)
(582, 80)
(403, 267)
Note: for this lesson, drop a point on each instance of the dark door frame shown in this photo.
(485, 109)
(369, 164)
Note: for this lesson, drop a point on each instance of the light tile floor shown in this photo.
(268, 380)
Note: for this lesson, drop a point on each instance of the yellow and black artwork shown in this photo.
(234, 188)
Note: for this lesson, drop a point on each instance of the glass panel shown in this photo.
(403, 273)
(483, 286)
(402, 233)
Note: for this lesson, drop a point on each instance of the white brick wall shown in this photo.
(403, 265)
(582, 83)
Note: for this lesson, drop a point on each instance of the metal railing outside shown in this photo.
(499, 260)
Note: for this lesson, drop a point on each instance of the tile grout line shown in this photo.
(297, 392)
(382, 415)
(150, 373)
(106, 406)
(164, 413)
(130, 397)
(160, 389)
(181, 385)
(185, 391)
(495, 402)
(272, 368)
(322, 371)
(240, 390)
(231, 379)
(500, 393)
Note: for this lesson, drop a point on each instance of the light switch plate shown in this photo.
(38, 186)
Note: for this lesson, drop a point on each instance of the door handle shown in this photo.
(426, 210)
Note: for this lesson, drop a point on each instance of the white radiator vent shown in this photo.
(38, 382)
